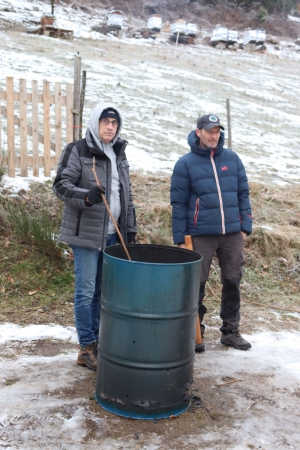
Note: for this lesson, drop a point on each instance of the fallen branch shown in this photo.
(293, 269)
(109, 211)
(258, 304)
(272, 307)
(211, 290)
(250, 406)
(229, 382)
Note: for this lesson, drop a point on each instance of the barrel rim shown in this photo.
(169, 247)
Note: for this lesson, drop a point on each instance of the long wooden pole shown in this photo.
(109, 211)
(229, 122)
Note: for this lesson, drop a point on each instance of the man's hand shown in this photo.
(244, 235)
(181, 245)
(95, 195)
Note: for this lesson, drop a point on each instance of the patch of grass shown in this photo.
(3, 170)
(29, 278)
(153, 210)
(36, 228)
(37, 286)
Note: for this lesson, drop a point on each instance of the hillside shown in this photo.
(240, 400)
(207, 14)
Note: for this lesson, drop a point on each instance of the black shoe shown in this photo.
(199, 348)
(234, 339)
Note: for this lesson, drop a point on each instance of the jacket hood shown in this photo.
(94, 123)
(194, 143)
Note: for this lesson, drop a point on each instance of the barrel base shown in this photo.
(143, 415)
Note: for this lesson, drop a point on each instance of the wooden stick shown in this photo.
(229, 382)
(271, 307)
(198, 338)
(253, 403)
(109, 211)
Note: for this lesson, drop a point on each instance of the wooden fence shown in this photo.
(51, 150)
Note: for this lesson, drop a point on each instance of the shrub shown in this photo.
(38, 230)
(2, 170)
(262, 14)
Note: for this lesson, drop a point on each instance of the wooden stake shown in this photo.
(82, 95)
(58, 104)
(47, 146)
(76, 109)
(228, 123)
(10, 126)
(109, 211)
(35, 128)
(23, 128)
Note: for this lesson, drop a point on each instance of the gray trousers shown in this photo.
(230, 252)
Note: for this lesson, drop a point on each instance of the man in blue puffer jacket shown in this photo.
(210, 200)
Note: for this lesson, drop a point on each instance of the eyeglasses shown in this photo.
(107, 122)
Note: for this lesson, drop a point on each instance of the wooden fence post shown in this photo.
(69, 113)
(29, 126)
(58, 104)
(228, 122)
(82, 95)
(46, 105)
(23, 127)
(1, 155)
(35, 128)
(76, 110)
(10, 126)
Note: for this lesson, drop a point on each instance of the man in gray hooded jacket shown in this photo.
(86, 225)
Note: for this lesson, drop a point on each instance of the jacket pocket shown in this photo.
(125, 165)
(196, 212)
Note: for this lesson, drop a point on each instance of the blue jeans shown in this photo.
(88, 281)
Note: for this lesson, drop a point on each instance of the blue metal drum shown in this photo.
(147, 330)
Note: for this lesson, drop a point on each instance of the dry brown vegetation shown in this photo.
(41, 287)
(206, 14)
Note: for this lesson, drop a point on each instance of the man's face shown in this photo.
(107, 129)
(208, 138)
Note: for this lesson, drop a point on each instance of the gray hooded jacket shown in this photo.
(84, 225)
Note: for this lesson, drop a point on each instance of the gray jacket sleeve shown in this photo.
(69, 172)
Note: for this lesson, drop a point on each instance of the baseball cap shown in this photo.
(110, 112)
(209, 121)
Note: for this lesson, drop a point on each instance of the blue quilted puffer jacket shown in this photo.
(209, 192)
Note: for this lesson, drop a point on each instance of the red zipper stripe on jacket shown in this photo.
(196, 212)
(219, 190)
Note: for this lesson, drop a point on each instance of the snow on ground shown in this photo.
(35, 411)
(161, 91)
(161, 94)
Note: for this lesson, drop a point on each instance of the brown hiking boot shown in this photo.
(87, 356)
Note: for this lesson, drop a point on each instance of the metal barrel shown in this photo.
(147, 330)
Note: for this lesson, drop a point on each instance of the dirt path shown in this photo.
(241, 400)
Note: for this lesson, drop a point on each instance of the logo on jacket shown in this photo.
(213, 119)
(224, 168)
